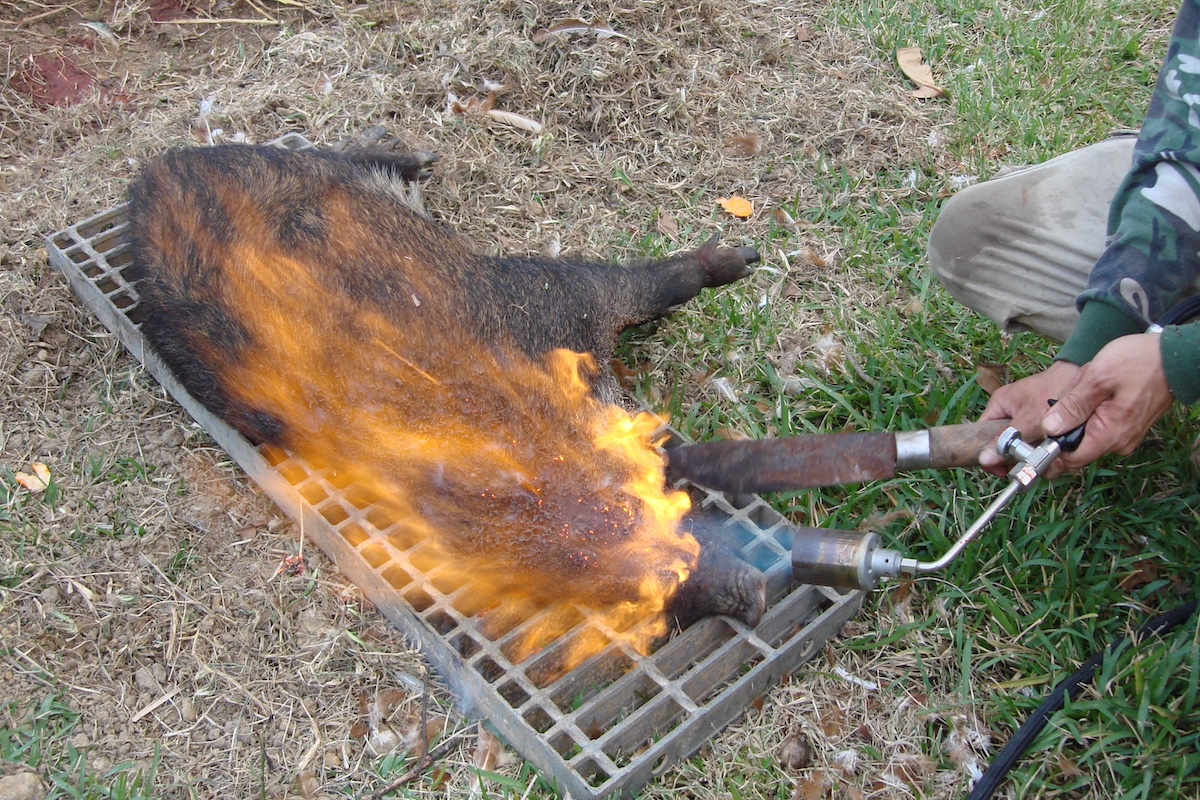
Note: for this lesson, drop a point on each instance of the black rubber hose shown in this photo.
(1183, 311)
(990, 781)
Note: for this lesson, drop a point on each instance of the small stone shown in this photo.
(144, 678)
(22, 786)
(187, 710)
(50, 595)
(80, 741)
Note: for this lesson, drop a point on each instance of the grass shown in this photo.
(1074, 565)
(42, 736)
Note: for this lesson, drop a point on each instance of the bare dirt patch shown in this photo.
(154, 595)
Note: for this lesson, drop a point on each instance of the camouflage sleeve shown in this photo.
(1153, 251)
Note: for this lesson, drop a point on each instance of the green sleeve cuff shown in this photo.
(1180, 345)
(1099, 323)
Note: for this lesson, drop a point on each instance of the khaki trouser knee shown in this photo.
(1019, 247)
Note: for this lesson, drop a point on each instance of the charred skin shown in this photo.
(337, 223)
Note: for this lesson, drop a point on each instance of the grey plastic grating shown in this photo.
(603, 728)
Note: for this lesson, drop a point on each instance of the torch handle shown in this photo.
(960, 445)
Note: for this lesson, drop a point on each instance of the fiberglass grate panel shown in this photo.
(603, 728)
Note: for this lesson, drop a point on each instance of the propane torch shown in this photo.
(853, 559)
(857, 560)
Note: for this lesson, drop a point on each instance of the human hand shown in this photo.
(1120, 394)
(1025, 403)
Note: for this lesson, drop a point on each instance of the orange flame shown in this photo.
(508, 471)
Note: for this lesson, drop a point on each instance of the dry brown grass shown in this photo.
(157, 573)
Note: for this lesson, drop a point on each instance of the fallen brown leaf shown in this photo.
(795, 752)
(913, 66)
(813, 788)
(1068, 768)
(667, 225)
(38, 481)
(746, 144)
(991, 377)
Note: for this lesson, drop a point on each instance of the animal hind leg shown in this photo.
(370, 148)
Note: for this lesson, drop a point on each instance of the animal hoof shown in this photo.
(724, 265)
(748, 254)
(721, 583)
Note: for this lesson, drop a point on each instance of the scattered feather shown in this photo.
(725, 388)
(100, 29)
(515, 120)
(489, 754)
(870, 686)
(991, 377)
(565, 27)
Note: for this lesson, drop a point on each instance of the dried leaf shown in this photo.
(991, 377)
(563, 27)
(1146, 572)
(36, 482)
(439, 779)
(667, 226)
(782, 218)
(747, 144)
(1068, 768)
(515, 120)
(37, 324)
(833, 729)
(813, 788)
(488, 750)
(308, 785)
(795, 751)
(912, 65)
(732, 434)
(473, 106)
(737, 206)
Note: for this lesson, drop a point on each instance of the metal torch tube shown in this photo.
(911, 566)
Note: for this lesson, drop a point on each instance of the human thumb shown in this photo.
(1066, 415)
